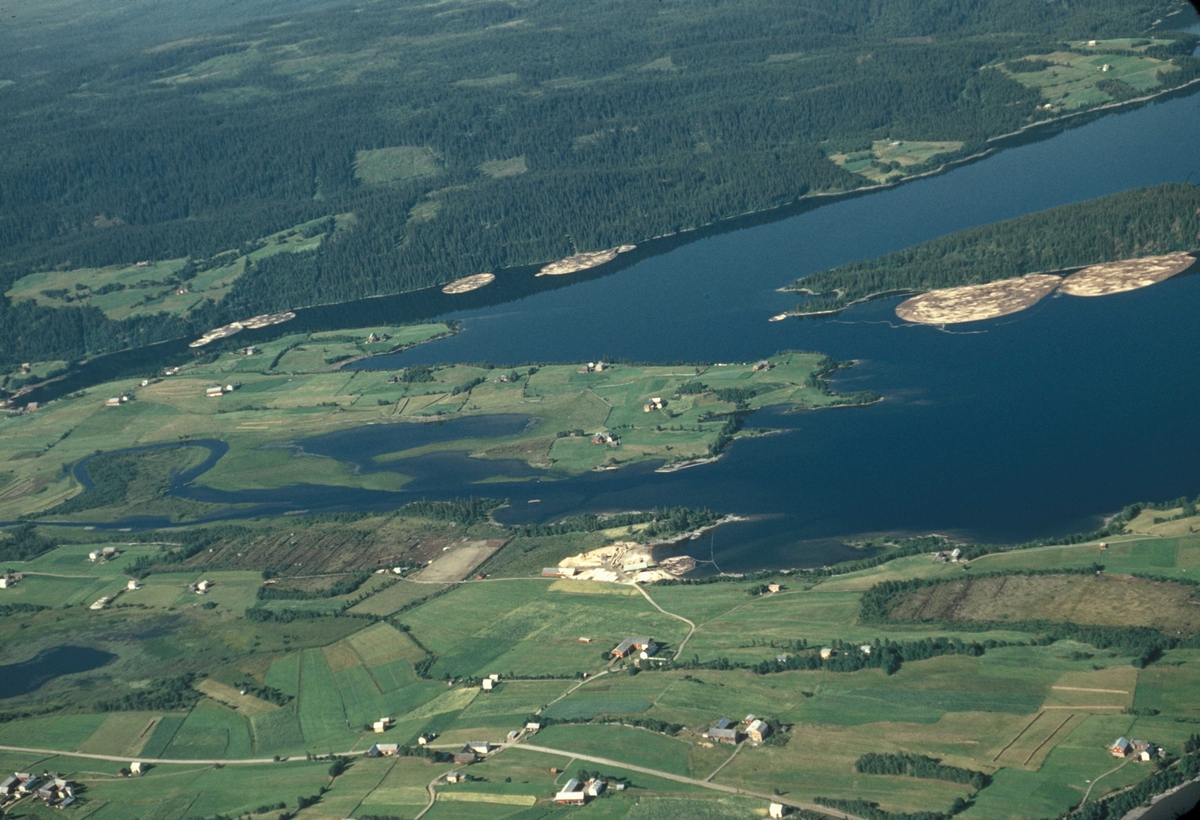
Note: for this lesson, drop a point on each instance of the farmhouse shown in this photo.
(758, 731)
(133, 584)
(9, 579)
(630, 645)
(655, 403)
(1121, 747)
(778, 810)
(827, 652)
(455, 777)
(731, 736)
(115, 401)
(773, 587)
(479, 746)
(136, 767)
(383, 750)
(214, 392)
(571, 794)
(465, 755)
(8, 785)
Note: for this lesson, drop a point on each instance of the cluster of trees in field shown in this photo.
(461, 510)
(1142, 222)
(912, 765)
(275, 592)
(668, 521)
(1144, 643)
(887, 655)
(23, 543)
(161, 695)
(632, 122)
(264, 692)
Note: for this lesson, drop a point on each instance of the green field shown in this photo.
(1075, 80)
(172, 286)
(890, 160)
(290, 389)
(1036, 716)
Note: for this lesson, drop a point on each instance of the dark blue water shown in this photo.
(28, 676)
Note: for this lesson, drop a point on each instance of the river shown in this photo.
(1033, 425)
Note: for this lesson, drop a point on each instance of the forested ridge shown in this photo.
(633, 121)
(1143, 222)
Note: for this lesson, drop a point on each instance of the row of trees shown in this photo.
(911, 765)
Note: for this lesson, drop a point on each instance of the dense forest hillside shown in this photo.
(1143, 222)
(466, 136)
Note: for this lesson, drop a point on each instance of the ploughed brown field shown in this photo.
(1102, 600)
(1118, 277)
(974, 303)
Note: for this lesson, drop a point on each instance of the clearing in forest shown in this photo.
(888, 160)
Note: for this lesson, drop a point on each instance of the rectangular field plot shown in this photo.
(635, 746)
(211, 731)
(60, 732)
(124, 734)
(390, 600)
(383, 643)
(164, 732)
(276, 731)
(1169, 688)
(320, 705)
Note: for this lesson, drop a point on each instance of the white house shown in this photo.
(777, 810)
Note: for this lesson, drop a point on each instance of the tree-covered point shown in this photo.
(470, 136)
(1142, 222)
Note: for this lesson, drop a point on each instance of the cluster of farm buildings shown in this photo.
(726, 731)
(1137, 749)
(49, 788)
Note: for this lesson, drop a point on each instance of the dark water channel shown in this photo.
(28, 676)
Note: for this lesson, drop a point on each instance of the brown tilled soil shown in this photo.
(1083, 599)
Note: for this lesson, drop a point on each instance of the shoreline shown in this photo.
(813, 198)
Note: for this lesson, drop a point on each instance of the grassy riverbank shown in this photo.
(292, 388)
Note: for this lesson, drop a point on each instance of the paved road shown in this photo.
(255, 761)
(604, 761)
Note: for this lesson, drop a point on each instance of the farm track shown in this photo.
(691, 624)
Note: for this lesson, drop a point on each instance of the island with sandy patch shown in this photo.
(974, 303)
(469, 283)
(583, 261)
(1132, 274)
(1157, 226)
